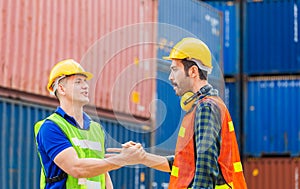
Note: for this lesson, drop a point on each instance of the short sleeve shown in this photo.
(52, 140)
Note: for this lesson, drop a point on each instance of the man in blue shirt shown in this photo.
(71, 145)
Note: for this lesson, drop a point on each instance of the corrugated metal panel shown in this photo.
(272, 37)
(232, 101)
(271, 115)
(202, 21)
(161, 180)
(37, 34)
(231, 20)
(20, 167)
(168, 110)
(271, 173)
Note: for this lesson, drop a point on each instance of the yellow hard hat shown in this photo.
(65, 68)
(191, 49)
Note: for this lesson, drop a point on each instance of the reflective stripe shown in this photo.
(224, 186)
(181, 132)
(238, 167)
(231, 127)
(175, 171)
(87, 144)
(92, 184)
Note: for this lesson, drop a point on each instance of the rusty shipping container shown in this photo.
(272, 173)
(110, 38)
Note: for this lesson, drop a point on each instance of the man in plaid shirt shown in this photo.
(206, 155)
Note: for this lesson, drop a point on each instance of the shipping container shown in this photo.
(191, 19)
(168, 120)
(271, 37)
(271, 115)
(34, 35)
(232, 101)
(272, 173)
(231, 35)
(168, 110)
(161, 180)
(20, 166)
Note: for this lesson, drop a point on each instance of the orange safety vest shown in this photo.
(183, 169)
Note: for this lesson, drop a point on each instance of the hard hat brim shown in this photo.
(167, 58)
(88, 76)
(170, 58)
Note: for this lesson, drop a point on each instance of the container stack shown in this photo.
(271, 93)
(107, 39)
(262, 87)
(256, 55)
(231, 68)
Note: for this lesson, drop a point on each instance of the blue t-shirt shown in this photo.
(51, 141)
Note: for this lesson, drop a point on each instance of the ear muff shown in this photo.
(187, 100)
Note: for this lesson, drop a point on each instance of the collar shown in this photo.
(207, 90)
(70, 119)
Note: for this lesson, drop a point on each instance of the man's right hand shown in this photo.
(131, 153)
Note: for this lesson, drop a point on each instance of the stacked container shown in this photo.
(271, 116)
(111, 39)
(269, 173)
(271, 93)
(272, 37)
(267, 80)
(231, 70)
(271, 102)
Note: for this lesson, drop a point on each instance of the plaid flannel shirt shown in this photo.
(207, 144)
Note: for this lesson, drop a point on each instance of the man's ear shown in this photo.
(193, 71)
(61, 89)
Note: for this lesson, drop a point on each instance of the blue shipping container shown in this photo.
(272, 116)
(191, 18)
(168, 119)
(232, 101)
(161, 180)
(231, 20)
(272, 37)
(168, 110)
(20, 166)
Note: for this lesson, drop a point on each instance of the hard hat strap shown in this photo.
(55, 84)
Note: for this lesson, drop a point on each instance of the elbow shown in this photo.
(76, 173)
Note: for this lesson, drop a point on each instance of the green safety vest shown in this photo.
(87, 143)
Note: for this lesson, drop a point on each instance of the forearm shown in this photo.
(156, 162)
(90, 167)
(86, 167)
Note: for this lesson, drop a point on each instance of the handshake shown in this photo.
(131, 153)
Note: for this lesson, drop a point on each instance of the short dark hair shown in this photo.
(189, 63)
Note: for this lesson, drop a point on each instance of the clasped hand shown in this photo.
(131, 153)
